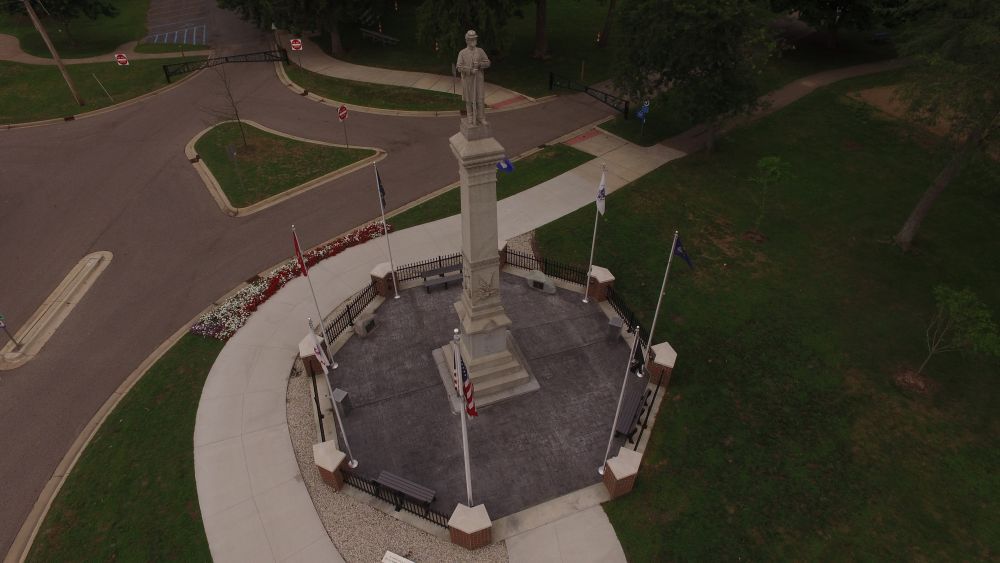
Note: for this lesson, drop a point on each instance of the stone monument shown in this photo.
(489, 351)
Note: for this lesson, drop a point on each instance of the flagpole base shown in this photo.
(352, 464)
(335, 365)
(585, 300)
(600, 470)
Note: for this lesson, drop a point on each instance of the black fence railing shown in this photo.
(369, 486)
(350, 313)
(620, 104)
(572, 274)
(628, 317)
(416, 269)
(176, 69)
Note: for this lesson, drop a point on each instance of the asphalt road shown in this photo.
(120, 182)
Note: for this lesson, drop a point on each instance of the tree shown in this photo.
(830, 16)
(602, 41)
(325, 16)
(65, 11)
(541, 50)
(707, 53)
(956, 46)
(771, 170)
(443, 23)
(962, 323)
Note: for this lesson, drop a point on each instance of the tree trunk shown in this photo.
(541, 37)
(336, 47)
(904, 238)
(606, 32)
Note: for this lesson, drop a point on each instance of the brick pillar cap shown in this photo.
(327, 456)
(306, 349)
(470, 520)
(665, 354)
(602, 275)
(381, 270)
(625, 464)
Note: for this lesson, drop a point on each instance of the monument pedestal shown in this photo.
(495, 367)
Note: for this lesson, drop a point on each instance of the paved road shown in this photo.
(120, 182)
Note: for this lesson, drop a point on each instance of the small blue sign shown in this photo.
(505, 165)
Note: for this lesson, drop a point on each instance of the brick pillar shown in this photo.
(470, 528)
(661, 363)
(600, 280)
(383, 279)
(329, 461)
(620, 472)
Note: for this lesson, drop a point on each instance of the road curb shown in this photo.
(223, 201)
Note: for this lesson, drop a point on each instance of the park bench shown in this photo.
(442, 276)
(379, 37)
(404, 488)
(632, 406)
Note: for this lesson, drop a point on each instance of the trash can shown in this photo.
(343, 401)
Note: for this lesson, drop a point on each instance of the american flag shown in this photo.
(381, 189)
(470, 401)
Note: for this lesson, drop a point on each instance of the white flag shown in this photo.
(318, 351)
(602, 194)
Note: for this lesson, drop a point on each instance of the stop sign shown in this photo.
(342, 112)
(296, 44)
(121, 59)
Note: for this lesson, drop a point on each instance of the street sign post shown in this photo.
(297, 46)
(3, 325)
(121, 59)
(342, 116)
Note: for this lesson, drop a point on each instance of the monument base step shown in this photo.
(495, 381)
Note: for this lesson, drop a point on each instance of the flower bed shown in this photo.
(223, 321)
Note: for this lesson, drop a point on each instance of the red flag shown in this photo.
(470, 401)
(298, 253)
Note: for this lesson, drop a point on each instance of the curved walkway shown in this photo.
(10, 50)
(314, 59)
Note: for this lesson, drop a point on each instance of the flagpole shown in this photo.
(465, 433)
(593, 242)
(659, 301)
(336, 412)
(322, 325)
(385, 229)
(618, 409)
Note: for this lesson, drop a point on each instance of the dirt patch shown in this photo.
(886, 99)
(909, 380)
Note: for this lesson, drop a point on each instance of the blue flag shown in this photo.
(505, 165)
(681, 253)
(381, 190)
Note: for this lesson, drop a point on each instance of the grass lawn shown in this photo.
(783, 436)
(131, 495)
(269, 164)
(90, 37)
(808, 57)
(573, 27)
(374, 95)
(33, 92)
(528, 172)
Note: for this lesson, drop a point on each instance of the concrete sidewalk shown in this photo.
(253, 501)
(314, 59)
(10, 50)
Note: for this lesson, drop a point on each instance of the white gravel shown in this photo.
(360, 532)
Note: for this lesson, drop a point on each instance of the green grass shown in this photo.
(528, 172)
(665, 119)
(374, 95)
(131, 495)
(34, 92)
(269, 164)
(783, 437)
(100, 36)
(573, 27)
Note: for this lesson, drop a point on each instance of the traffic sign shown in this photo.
(121, 59)
(342, 112)
(296, 44)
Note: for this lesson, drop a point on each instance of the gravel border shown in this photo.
(360, 532)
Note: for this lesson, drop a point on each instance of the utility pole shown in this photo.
(52, 49)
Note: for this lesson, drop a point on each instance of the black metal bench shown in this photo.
(437, 276)
(405, 489)
(632, 406)
(379, 37)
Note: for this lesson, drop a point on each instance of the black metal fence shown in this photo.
(351, 312)
(620, 104)
(416, 269)
(572, 274)
(176, 69)
(369, 486)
